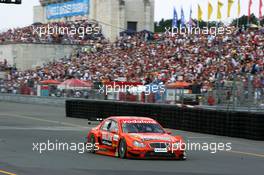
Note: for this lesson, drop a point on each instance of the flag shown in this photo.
(182, 17)
(219, 14)
(238, 8)
(249, 8)
(260, 9)
(175, 19)
(200, 13)
(230, 4)
(190, 18)
(210, 10)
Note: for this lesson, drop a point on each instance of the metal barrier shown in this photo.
(234, 124)
(236, 95)
(54, 101)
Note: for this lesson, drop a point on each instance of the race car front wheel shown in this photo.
(183, 156)
(122, 149)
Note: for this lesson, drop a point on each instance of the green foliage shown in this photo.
(244, 21)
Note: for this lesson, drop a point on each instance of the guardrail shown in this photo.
(54, 101)
(227, 123)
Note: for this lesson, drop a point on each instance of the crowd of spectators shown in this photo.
(70, 32)
(204, 60)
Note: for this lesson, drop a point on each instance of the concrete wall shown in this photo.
(52, 101)
(113, 15)
(107, 15)
(27, 56)
(141, 11)
(39, 14)
(6, 52)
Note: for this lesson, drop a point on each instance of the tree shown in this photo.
(243, 21)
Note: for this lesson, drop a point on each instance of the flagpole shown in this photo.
(248, 14)
(238, 13)
(260, 12)
(198, 25)
(248, 20)
(218, 14)
(208, 15)
(249, 11)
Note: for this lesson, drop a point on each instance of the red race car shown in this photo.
(135, 137)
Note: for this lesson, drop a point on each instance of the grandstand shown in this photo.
(21, 46)
(235, 75)
(232, 71)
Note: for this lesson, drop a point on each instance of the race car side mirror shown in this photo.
(169, 132)
(114, 131)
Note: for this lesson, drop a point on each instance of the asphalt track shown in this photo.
(21, 125)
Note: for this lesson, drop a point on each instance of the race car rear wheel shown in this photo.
(122, 149)
(92, 141)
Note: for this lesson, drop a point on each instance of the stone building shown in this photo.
(114, 16)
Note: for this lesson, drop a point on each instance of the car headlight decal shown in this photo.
(139, 144)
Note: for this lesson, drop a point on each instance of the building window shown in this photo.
(132, 26)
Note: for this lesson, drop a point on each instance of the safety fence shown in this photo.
(226, 123)
(27, 99)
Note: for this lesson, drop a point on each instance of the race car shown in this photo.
(135, 137)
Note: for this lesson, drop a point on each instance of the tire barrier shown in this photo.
(247, 125)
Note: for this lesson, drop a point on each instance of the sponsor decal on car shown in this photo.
(151, 137)
(107, 139)
(160, 150)
(115, 137)
(139, 121)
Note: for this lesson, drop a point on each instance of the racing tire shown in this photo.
(122, 149)
(92, 141)
(183, 157)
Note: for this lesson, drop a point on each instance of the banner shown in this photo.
(238, 8)
(200, 13)
(175, 18)
(67, 9)
(230, 4)
(260, 9)
(190, 23)
(210, 10)
(219, 13)
(249, 8)
(182, 17)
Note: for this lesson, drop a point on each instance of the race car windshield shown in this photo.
(142, 128)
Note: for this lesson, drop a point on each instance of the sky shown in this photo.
(22, 15)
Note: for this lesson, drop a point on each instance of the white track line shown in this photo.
(42, 120)
(45, 128)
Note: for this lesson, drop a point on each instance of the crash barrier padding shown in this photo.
(248, 125)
